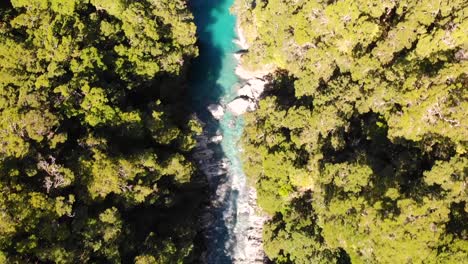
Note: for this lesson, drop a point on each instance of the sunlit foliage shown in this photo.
(93, 154)
(359, 147)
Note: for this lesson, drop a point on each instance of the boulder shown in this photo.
(252, 89)
(217, 139)
(246, 91)
(257, 86)
(216, 110)
(245, 74)
(241, 105)
(203, 154)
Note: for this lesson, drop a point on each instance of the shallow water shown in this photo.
(213, 80)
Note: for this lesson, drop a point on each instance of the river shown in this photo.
(230, 225)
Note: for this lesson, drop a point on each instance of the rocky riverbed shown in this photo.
(223, 91)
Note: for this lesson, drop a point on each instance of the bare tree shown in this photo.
(55, 176)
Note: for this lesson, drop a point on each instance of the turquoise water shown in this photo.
(213, 80)
(213, 71)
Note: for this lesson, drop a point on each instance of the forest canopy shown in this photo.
(359, 147)
(93, 146)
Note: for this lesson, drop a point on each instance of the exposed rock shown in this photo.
(241, 105)
(250, 244)
(245, 91)
(205, 157)
(217, 139)
(203, 154)
(253, 88)
(240, 219)
(216, 110)
(241, 41)
(202, 142)
(245, 74)
(249, 95)
(237, 56)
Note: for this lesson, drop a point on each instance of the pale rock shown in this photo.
(216, 110)
(241, 41)
(237, 56)
(245, 74)
(252, 89)
(240, 106)
(245, 91)
(257, 86)
(246, 220)
(217, 139)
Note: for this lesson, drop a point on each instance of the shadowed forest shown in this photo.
(94, 139)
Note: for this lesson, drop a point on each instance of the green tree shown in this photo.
(89, 164)
(364, 124)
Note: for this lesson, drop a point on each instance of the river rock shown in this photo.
(241, 105)
(241, 41)
(245, 91)
(202, 142)
(216, 110)
(217, 139)
(253, 88)
(203, 154)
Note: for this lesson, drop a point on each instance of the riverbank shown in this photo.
(243, 72)
(252, 82)
(252, 85)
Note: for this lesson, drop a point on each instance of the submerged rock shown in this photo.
(216, 110)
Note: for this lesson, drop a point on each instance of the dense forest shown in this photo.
(94, 138)
(359, 147)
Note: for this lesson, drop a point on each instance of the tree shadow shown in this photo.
(397, 163)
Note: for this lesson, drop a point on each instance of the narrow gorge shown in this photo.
(232, 228)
